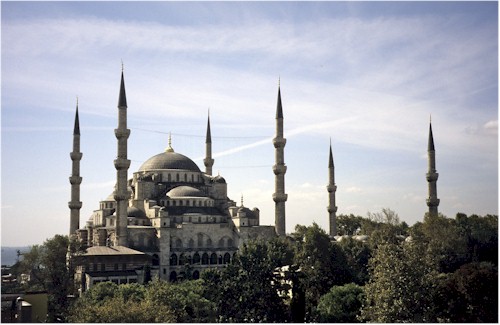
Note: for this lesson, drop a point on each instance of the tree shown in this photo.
(108, 302)
(322, 264)
(481, 236)
(184, 298)
(469, 295)
(49, 271)
(342, 304)
(443, 240)
(401, 285)
(348, 224)
(357, 253)
(249, 289)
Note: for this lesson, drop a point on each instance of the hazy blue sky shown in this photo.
(366, 74)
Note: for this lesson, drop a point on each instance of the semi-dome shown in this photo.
(185, 191)
(135, 213)
(169, 160)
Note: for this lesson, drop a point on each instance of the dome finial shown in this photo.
(169, 148)
(241, 199)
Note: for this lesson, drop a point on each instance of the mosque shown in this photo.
(173, 220)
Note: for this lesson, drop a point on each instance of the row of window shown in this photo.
(188, 203)
(173, 275)
(185, 178)
(223, 242)
(102, 267)
(198, 259)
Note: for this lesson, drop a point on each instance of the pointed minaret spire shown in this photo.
(122, 164)
(432, 175)
(75, 180)
(76, 129)
(208, 161)
(122, 99)
(279, 170)
(332, 188)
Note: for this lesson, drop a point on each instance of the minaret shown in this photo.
(75, 180)
(332, 188)
(208, 161)
(432, 176)
(121, 164)
(279, 170)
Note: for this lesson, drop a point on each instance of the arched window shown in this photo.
(200, 239)
(204, 259)
(191, 242)
(227, 258)
(182, 260)
(229, 242)
(155, 260)
(213, 258)
(185, 177)
(196, 275)
(178, 243)
(192, 178)
(196, 258)
(173, 276)
(173, 259)
(169, 178)
(221, 242)
(209, 242)
(177, 177)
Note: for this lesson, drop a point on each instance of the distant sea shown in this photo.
(9, 254)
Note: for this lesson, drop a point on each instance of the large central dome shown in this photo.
(169, 160)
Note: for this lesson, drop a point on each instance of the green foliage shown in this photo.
(249, 289)
(401, 283)
(48, 269)
(323, 264)
(469, 295)
(349, 224)
(342, 304)
(481, 235)
(158, 301)
(358, 254)
(444, 242)
(185, 299)
(107, 302)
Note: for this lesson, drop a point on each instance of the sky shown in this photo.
(367, 76)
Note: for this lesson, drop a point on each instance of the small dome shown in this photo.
(134, 212)
(169, 160)
(185, 191)
(219, 179)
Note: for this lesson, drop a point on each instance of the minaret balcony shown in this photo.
(121, 196)
(122, 133)
(279, 169)
(75, 180)
(74, 205)
(332, 209)
(76, 155)
(279, 142)
(208, 162)
(280, 197)
(432, 176)
(331, 188)
(432, 202)
(122, 163)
